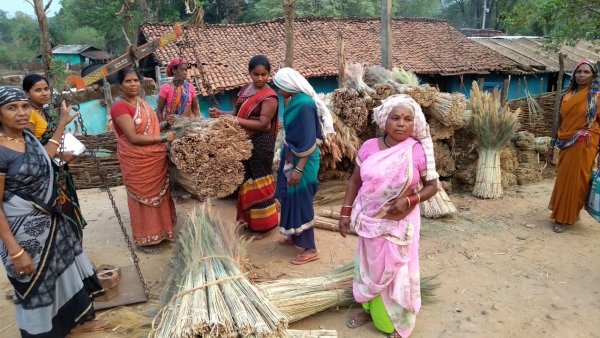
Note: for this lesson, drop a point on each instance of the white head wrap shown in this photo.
(291, 81)
(421, 129)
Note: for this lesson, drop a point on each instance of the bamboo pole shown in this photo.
(330, 224)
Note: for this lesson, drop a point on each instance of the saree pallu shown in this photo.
(145, 176)
(69, 202)
(302, 131)
(386, 275)
(256, 205)
(59, 295)
(576, 161)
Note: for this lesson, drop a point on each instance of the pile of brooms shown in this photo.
(207, 156)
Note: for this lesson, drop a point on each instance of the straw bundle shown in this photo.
(405, 77)
(542, 144)
(382, 91)
(528, 173)
(344, 144)
(509, 179)
(508, 159)
(378, 75)
(354, 74)
(465, 153)
(351, 108)
(208, 295)
(311, 333)
(438, 206)
(457, 112)
(440, 109)
(439, 131)
(331, 194)
(424, 95)
(494, 126)
(524, 140)
(207, 156)
(444, 163)
(331, 224)
(446, 185)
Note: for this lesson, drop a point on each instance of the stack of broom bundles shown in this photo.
(529, 169)
(351, 108)
(208, 295)
(494, 125)
(207, 155)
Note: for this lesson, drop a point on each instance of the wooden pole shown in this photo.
(386, 34)
(158, 76)
(561, 73)
(341, 62)
(288, 9)
(504, 94)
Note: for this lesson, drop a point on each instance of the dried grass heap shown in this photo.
(207, 155)
(351, 108)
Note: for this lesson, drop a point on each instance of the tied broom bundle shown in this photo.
(207, 155)
(351, 107)
(344, 144)
(424, 95)
(494, 126)
(405, 77)
(354, 74)
(208, 295)
(375, 75)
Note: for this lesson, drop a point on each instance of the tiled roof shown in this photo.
(529, 53)
(424, 46)
(472, 32)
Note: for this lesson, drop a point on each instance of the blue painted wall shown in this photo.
(74, 59)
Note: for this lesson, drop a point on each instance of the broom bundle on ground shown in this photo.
(528, 173)
(354, 75)
(444, 163)
(330, 194)
(509, 179)
(405, 77)
(344, 144)
(424, 95)
(208, 295)
(465, 153)
(508, 159)
(494, 125)
(446, 185)
(207, 155)
(438, 206)
(351, 108)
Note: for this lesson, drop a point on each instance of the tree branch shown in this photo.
(47, 6)
(30, 2)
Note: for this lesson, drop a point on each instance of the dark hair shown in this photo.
(30, 80)
(259, 60)
(125, 71)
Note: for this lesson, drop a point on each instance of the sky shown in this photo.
(12, 6)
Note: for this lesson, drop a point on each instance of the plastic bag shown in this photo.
(592, 205)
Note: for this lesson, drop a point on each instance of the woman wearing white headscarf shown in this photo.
(382, 203)
(306, 121)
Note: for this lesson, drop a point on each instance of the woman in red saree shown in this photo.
(256, 109)
(578, 138)
(143, 158)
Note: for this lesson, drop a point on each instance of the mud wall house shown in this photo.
(219, 54)
(537, 68)
(78, 55)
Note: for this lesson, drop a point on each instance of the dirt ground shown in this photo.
(502, 271)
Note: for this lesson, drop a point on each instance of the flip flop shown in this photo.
(358, 319)
(303, 258)
(559, 228)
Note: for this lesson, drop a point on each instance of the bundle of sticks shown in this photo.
(351, 108)
(343, 145)
(85, 167)
(207, 155)
(208, 295)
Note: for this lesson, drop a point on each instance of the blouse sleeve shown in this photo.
(367, 149)
(165, 91)
(419, 160)
(120, 108)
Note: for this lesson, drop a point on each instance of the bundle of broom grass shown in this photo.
(354, 74)
(494, 126)
(344, 144)
(207, 155)
(351, 107)
(208, 295)
(405, 77)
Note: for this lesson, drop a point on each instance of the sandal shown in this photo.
(359, 319)
(304, 258)
(559, 227)
(90, 326)
(285, 241)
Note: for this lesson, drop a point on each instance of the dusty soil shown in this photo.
(502, 271)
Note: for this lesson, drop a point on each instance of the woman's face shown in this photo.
(400, 124)
(39, 94)
(181, 71)
(259, 76)
(15, 115)
(286, 95)
(584, 75)
(131, 85)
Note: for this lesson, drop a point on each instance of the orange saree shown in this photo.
(145, 176)
(575, 162)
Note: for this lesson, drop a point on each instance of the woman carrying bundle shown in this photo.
(577, 135)
(256, 112)
(307, 121)
(179, 97)
(143, 159)
(43, 124)
(382, 203)
(54, 281)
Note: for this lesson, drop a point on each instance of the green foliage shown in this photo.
(58, 68)
(86, 36)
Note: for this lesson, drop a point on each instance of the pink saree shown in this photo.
(387, 254)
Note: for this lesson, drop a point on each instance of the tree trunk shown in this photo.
(45, 47)
(341, 61)
(288, 9)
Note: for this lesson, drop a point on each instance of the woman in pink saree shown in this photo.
(393, 174)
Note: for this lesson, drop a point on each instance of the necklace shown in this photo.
(387, 145)
(18, 140)
(128, 101)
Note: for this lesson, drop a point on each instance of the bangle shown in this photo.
(54, 141)
(344, 216)
(418, 198)
(408, 199)
(298, 170)
(18, 254)
(163, 138)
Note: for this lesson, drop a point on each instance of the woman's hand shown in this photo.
(550, 156)
(170, 136)
(344, 225)
(294, 178)
(24, 265)
(398, 205)
(68, 156)
(65, 114)
(214, 112)
(170, 118)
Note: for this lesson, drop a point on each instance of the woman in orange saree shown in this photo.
(577, 136)
(143, 159)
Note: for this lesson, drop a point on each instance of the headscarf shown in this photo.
(176, 61)
(10, 94)
(291, 81)
(592, 105)
(421, 128)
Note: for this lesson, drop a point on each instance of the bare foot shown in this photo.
(305, 257)
(285, 241)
